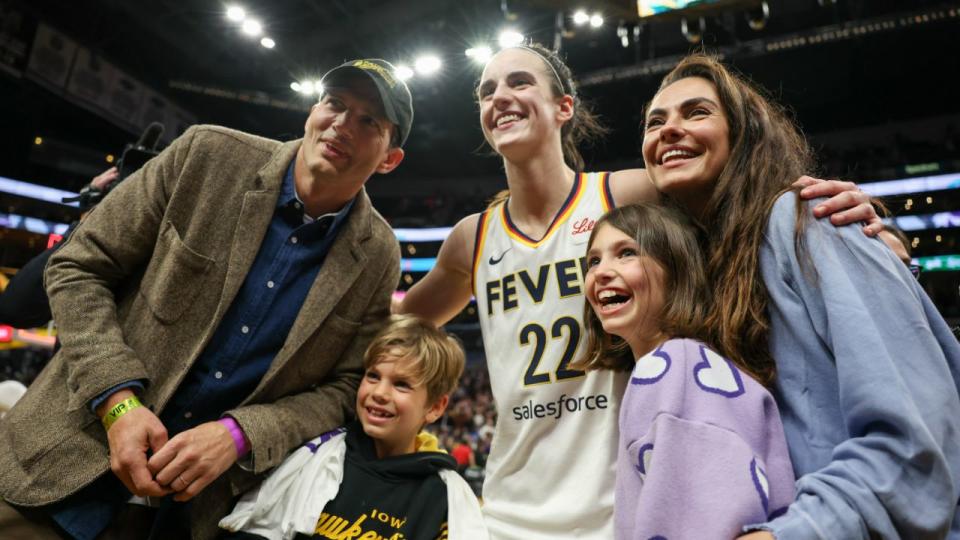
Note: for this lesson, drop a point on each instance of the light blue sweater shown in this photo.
(867, 387)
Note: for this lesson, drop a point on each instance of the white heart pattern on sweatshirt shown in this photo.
(650, 368)
(761, 483)
(718, 375)
(644, 458)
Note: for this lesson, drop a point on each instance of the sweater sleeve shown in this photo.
(699, 481)
(702, 450)
(874, 361)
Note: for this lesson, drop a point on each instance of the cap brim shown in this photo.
(380, 84)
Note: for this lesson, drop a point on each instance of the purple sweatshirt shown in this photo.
(701, 451)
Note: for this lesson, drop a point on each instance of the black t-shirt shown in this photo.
(395, 498)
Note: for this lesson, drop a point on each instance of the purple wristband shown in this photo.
(239, 439)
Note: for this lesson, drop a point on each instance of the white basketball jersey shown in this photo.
(550, 473)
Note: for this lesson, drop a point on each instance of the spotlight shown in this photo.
(479, 54)
(624, 34)
(580, 17)
(403, 72)
(695, 36)
(510, 38)
(38, 140)
(306, 87)
(596, 20)
(252, 27)
(757, 18)
(110, 158)
(295, 86)
(236, 13)
(268, 43)
(427, 65)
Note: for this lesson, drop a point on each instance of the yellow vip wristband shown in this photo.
(119, 410)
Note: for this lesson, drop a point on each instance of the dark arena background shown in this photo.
(873, 83)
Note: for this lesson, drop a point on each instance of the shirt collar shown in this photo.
(292, 209)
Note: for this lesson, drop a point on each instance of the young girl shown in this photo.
(520, 260)
(701, 450)
(866, 370)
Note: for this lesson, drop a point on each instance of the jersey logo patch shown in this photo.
(496, 260)
(584, 225)
(717, 375)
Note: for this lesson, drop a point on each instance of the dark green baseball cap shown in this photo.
(394, 94)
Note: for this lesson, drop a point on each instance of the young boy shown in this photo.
(381, 477)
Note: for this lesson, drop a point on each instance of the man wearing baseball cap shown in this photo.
(213, 312)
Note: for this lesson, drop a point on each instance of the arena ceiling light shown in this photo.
(236, 13)
(427, 64)
(268, 43)
(510, 38)
(403, 72)
(757, 18)
(252, 27)
(479, 54)
(581, 17)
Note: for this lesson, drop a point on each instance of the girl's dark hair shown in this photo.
(666, 235)
(584, 127)
(767, 154)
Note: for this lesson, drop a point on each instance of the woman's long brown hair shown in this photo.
(767, 154)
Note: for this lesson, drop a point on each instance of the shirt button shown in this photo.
(218, 375)
(293, 239)
(269, 284)
(245, 329)
(188, 414)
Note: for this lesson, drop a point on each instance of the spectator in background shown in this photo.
(463, 453)
(900, 245)
(24, 302)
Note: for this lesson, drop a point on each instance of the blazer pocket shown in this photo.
(174, 276)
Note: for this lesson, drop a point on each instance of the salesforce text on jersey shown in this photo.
(555, 409)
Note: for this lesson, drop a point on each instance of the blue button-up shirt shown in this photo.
(255, 327)
(241, 350)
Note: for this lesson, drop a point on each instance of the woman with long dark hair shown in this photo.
(864, 368)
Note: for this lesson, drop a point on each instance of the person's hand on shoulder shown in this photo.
(846, 203)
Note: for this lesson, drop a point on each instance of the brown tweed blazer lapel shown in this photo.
(255, 215)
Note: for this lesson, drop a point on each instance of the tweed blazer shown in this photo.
(139, 289)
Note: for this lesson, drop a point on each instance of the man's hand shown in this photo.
(193, 459)
(847, 204)
(130, 437)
